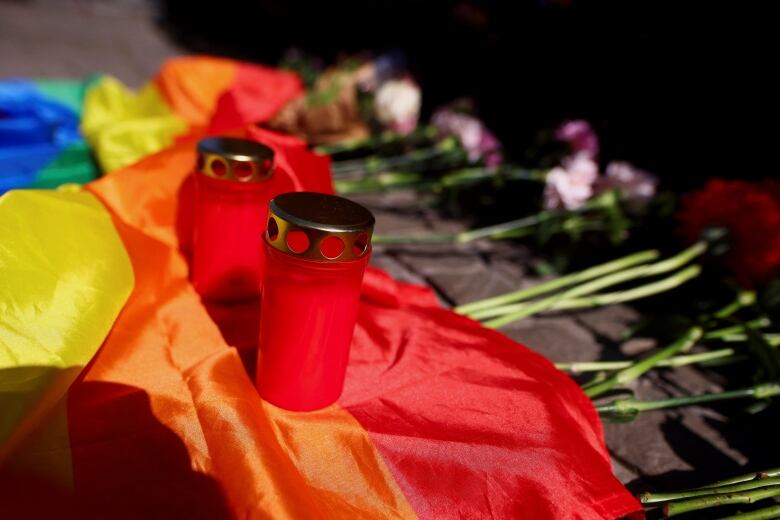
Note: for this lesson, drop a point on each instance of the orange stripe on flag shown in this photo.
(166, 418)
(192, 85)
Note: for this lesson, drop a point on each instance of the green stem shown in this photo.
(769, 473)
(599, 300)
(738, 330)
(446, 149)
(772, 339)
(615, 278)
(630, 406)
(381, 182)
(695, 504)
(425, 133)
(420, 181)
(558, 283)
(767, 513)
(567, 299)
(654, 498)
(743, 299)
(467, 176)
(496, 230)
(581, 367)
(683, 344)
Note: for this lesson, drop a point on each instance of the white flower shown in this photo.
(571, 185)
(397, 105)
(632, 183)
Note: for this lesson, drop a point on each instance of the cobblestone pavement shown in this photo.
(61, 38)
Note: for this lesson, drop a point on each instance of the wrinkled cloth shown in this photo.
(42, 121)
(64, 277)
(122, 126)
(40, 143)
(190, 97)
(440, 417)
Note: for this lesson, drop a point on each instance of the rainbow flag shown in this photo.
(124, 396)
(40, 142)
(53, 132)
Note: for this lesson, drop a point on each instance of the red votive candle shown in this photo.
(317, 247)
(232, 196)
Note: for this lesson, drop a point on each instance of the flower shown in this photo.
(633, 184)
(477, 140)
(572, 184)
(580, 136)
(397, 105)
(772, 187)
(751, 217)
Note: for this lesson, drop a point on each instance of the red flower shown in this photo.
(749, 213)
(772, 186)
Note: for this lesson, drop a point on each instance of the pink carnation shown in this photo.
(572, 184)
(632, 183)
(478, 142)
(580, 137)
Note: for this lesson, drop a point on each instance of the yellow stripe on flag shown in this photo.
(64, 278)
(123, 126)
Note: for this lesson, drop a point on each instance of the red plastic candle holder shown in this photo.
(232, 193)
(317, 247)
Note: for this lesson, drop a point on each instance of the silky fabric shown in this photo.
(168, 402)
(439, 417)
(40, 143)
(188, 97)
(192, 86)
(64, 277)
(122, 126)
(470, 423)
(256, 95)
(69, 92)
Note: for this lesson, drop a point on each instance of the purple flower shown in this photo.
(475, 138)
(580, 137)
(570, 185)
(632, 183)
(397, 105)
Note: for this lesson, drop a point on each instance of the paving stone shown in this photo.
(61, 38)
(561, 340)
(610, 323)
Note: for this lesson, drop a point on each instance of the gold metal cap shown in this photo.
(320, 227)
(229, 158)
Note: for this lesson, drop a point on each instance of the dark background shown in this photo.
(684, 89)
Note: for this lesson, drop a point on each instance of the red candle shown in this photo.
(317, 247)
(232, 196)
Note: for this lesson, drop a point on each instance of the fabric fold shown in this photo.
(64, 277)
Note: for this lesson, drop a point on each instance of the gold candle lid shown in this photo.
(320, 227)
(233, 159)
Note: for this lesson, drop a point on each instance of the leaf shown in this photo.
(770, 298)
(620, 417)
(608, 203)
(758, 406)
(766, 355)
(546, 229)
